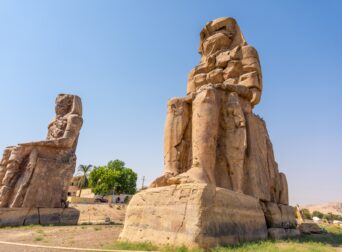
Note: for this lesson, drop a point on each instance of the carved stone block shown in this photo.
(43, 216)
(194, 215)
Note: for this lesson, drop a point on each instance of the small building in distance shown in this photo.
(73, 186)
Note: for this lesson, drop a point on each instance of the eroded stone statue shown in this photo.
(221, 183)
(37, 174)
(212, 135)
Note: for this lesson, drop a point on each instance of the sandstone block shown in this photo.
(43, 216)
(310, 228)
(12, 216)
(70, 216)
(273, 215)
(288, 216)
(32, 217)
(292, 232)
(277, 233)
(50, 215)
(279, 216)
(194, 215)
(282, 233)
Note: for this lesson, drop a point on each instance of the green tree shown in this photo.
(317, 214)
(83, 182)
(331, 217)
(113, 177)
(306, 214)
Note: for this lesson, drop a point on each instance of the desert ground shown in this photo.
(81, 236)
(331, 207)
(98, 213)
(91, 234)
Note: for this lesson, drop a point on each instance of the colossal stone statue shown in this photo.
(37, 174)
(212, 135)
(221, 183)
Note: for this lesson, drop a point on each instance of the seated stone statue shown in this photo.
(211, 135)
(37, 174)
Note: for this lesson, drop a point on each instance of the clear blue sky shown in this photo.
(127, 58)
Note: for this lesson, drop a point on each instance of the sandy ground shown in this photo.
(97, 213)
(81, 236)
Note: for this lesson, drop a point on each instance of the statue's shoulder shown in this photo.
(249, 52)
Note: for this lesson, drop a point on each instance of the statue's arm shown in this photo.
(74, 124)
(72, 131)
(251, 76)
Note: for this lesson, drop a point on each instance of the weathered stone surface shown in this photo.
(50, 215)
(282, 233)
(37, 174)
(272, 215)
(279, 216)
(284, 193)
(277, 233)
(13, 216)
(214, 140)
(212, 135)
(292, 232)
(194, 215)
(43, 216)
(288, 216)
(53, 188)
(32, 217)
(70, 216)
(310, 228)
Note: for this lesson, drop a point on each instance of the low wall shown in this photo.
(81, 200)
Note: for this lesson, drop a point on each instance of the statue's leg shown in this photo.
(8, 182)
(18, 198)
(235, 140)
(284, 193)
(235, 156)
(176, 141)
(12, 173)
(177, 121)
(204, 123)
(3, 163)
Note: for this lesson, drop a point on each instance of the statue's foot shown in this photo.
(161, 181)
(194, 175)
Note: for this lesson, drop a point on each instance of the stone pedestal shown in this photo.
(196, 215)
(42, 216)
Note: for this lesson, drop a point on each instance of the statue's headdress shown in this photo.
(229, 25)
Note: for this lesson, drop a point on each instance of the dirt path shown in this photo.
(81, 236)
(97, 213)
(19, 247)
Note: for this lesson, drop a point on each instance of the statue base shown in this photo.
(43, 216)
(195, 215)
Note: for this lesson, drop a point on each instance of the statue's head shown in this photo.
(68, 104)
(220, 34)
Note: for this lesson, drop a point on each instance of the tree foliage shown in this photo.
(317, 214)
(84, 170)
(113, 177)
(329, 216)
(306, 214)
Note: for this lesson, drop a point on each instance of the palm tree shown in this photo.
(83, 182)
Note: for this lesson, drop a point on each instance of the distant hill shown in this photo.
(331, 207)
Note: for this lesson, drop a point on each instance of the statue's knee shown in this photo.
(208, 95)
(177, 106)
